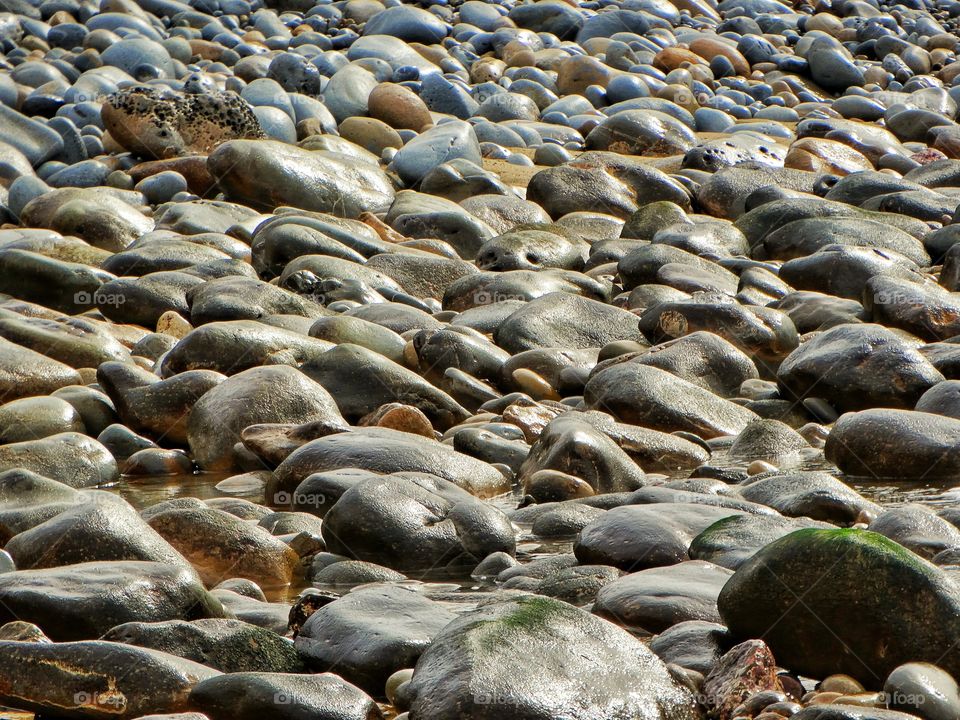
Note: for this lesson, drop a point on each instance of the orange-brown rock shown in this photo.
(708, 48)
(488, 69)
(672, 58)
(434, 53)
(516, 54)
(192, 167)
(371, 134)
(398, 416)
(60, 17)
(819, 155)
(825, 22)
(577, 73)
(206, 49)
(398, 107)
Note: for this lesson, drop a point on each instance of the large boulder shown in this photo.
(855, 586)
(260, 395)
(385, 451)
(415, 522)
(855, 367)
(900, 444)
(266, 174)
(539, 659)
(282, 696)
(654, 398)
(95, 680)
(370, 633)
(83, 601)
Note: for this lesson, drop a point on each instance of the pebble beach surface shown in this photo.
(476, 360)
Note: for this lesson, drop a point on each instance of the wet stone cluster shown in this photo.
(468, 360)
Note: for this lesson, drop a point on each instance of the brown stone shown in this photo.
(206, 49)
(819, 155)
(21, 631)
(530, 417)
(487, 69)
(371, 134)
(708, 48)
(825, 22)
(672, 58)
(434, 53)
(680, 95)
(273, 442)
(398, 416)
(516, 54)
(398, 107)
(745, 670)
(192, 167)
(61, 17)
(577, 73)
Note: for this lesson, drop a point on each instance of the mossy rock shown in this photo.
(536, 658)
(845, 601)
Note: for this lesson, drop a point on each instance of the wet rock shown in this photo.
(634, 537)
(415, 522)
(563, 320)
(694, 644)
(84, 600)
(361, 380)
(578, 585)
(258, 395)
(248, 695)
(370, 633)
(815, 495)
(38, 417)
(75, 459)
(731, 541)
(922, 689)
(656, 599)
(227, 645)
(25, 373)
(382, 450)
(220, 545)
(837, 362)
(762, 333)
(450, 141)
(918, 529)
(92, 679)
(146, 404)
(525, 628)
(235, 346)
(258, 172)
(652, 397)
(916, 444)
(100, 527)
(760, 593)
(574, 447)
